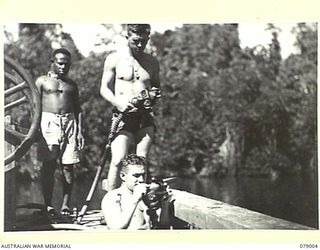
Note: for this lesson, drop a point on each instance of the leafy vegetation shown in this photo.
(224, 110)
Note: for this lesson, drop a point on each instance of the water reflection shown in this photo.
(293, 198)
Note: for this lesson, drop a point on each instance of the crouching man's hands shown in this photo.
(139, 191)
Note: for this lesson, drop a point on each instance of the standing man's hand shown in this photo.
(125, 107)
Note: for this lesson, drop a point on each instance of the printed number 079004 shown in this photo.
(308, 245)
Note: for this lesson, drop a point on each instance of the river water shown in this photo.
(293, 198)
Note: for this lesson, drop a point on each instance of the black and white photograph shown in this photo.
(160, 126)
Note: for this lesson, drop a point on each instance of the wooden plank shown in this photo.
(211, 214)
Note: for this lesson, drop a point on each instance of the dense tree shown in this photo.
(191, 120)
(224, 110)
(299, 84)
(218, 94)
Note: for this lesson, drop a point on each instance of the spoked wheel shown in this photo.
(22, 104)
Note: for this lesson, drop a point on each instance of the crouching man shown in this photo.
(128, 207)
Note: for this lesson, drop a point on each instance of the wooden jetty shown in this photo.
(190, 212)
(38, 220)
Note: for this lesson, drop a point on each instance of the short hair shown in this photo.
(140, 29)
(131, 159)
(61, 51)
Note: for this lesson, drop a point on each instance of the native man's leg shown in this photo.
(47, 181)
(119, 149)
(144, 139)
(67, 183)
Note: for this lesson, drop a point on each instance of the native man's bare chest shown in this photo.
(57, 86)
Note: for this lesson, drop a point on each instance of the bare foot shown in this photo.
(66, 211)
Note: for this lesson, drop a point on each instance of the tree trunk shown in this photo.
(231, 150)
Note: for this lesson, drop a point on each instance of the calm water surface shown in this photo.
(293, 198)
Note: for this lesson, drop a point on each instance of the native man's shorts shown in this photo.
(58, 138)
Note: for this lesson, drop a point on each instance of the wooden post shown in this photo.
(9, 187)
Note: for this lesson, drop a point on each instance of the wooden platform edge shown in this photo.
(207, 213)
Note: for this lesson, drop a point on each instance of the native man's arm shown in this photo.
(80, 138)
(78, 114)
(38, 83)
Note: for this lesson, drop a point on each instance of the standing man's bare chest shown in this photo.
(132, 70)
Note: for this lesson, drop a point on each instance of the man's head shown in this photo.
(138, 36)
(61, 61)
(132, 170)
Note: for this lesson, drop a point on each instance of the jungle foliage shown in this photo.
(224, 110)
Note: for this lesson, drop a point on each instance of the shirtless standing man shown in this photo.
(128, 73)
(124, 208)
(61, 124)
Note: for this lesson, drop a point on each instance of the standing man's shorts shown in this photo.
(58, 138)
(134, 121)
